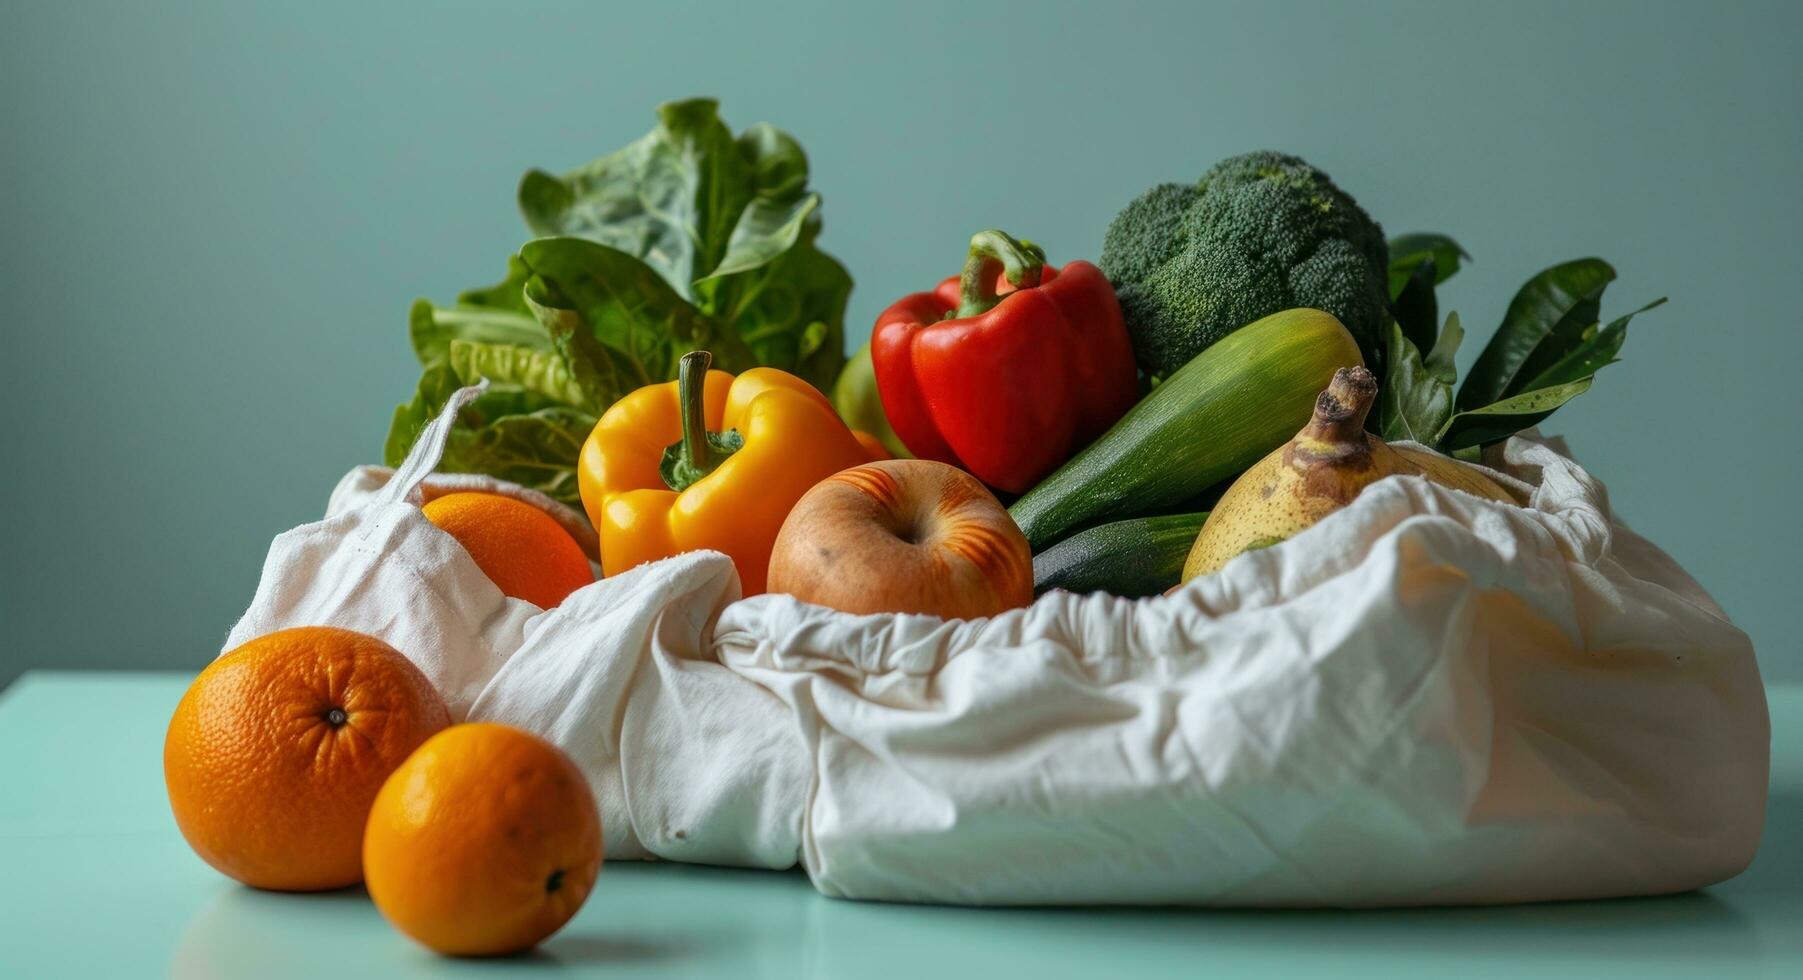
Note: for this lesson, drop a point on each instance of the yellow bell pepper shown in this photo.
(709, 461)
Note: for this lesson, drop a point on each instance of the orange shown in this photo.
(278, 748)
(483, 843)
(522, 549)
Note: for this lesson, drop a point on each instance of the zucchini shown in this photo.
(1137, 557)
(1223, 411)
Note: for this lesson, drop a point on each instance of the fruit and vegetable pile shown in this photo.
(1108, 404)
(1246, 354)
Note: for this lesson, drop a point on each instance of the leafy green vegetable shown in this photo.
(491, 333)
(1500, 420)
(1595, 349)
(671, 197)
(537, 449)
(1417, 395)
(791, 311)
(495, 315)
(1409, 252)
(1415, 307)
(507, 432)
(618, 325)
(1419, 262)
(686, 238)
(1546, 352)
(728, 225)
(1545, 320)
(538, 371)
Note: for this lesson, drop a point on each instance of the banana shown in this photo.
(1319, 471)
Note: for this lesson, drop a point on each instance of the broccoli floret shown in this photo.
(1257, 234)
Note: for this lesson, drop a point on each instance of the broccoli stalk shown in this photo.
(1257, 234)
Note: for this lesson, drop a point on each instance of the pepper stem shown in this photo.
(699, 452)
(691, 394)
(995, 251)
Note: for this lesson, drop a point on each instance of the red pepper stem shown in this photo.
(991, 252)
(691, 391)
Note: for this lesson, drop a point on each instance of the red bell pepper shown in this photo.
(1008, 384)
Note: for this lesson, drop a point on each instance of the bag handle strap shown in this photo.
(428, 449)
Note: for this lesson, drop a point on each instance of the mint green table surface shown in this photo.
(95, 881)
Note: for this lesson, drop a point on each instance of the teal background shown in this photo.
(213, 218)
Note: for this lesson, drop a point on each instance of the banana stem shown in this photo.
(1340, 410)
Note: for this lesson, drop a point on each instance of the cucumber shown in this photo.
(1215, 416)
(1137, 557)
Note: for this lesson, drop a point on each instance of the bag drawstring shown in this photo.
(427, 449)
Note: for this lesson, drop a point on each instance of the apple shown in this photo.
(903, 536)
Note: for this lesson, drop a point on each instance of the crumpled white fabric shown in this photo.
(1426, 698)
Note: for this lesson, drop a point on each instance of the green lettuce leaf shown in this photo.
(670, 198)
(537, 450)
(728, 225)
(681, 196)
(768, 228)
(493, 315)
(536, 370)
(615, 322)
(791, 312)
(687, 238)
(507, 432)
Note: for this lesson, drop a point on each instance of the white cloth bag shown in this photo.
(1426, 698)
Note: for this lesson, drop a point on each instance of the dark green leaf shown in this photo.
(1566, 337)
(1596, 349)
(1440, 360)
(1416, 309)
(1416, 399)
(1545, 321)
(1408, 252)
(1500, 420)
